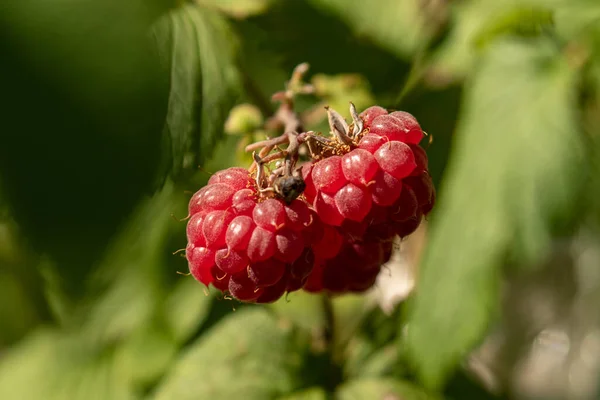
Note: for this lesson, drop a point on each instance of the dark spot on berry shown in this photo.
(289, 187)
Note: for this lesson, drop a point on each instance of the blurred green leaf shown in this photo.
(145, 355)
(132, 269)
(350, 311)
(515, 172)
(248, 355)
(579, 20)
(381, 389)
(380, 363)
(199, 48)
(400, 27)
(187, 307)
(521, 21)
(476, 23)
(302, 309)
(239, 8)
(315, 393)
(53, 365)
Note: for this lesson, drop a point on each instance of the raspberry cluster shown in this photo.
(325, 226)
(379, 189)
(254, 248)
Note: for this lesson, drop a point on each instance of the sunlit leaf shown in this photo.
(381, 389)
(145, 355)
(239, 8)
(248, 355)
(400, 27)
(199, 48)
(514, 173)
(186, 307)
(315, 393)
(476, 23)
(302, 309)
(30, 370)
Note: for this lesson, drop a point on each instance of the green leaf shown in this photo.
(381, 389)
(53, 365)
(381, 363)
(514, 174)
(248, 355)
(302, 309)
(145, 355)
(314, 393)
(186, 308)
(239, 8)
(521, 21)
(398, 26)
(478, 23)
(132, 269)
(199, 48)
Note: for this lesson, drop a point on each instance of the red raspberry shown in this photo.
(252, 248)
(370, 114)
(377, 190)
(399, 125)
(354, 268)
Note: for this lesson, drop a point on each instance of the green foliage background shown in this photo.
(110, 107)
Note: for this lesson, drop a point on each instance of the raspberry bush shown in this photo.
(323, 223)
(113, 132)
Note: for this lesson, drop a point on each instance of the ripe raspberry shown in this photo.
(253, 248)
(399, 125)
(362, 188)
(354, 268)
(359, 166)
(370, 114)
(346, 187)
(382, 191)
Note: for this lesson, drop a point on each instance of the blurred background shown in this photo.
(115, 112)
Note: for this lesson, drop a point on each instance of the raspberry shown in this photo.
(354, 268)
(353, 202)
(329, 245)
(298, 215)
(266, 273)
(201, 260)
(194, 230)
(220, 280)
(327, 226)
(396, 158)
(262, 245)
(327, 175)
(244, 244)
(422, 186)
(243, 202)
(406, 206)
(231, 261)
(359, 166)
(327, 210)
(288, 245)
(236, 178)
(215, 226)
(274, 292)
(370, 114)
(407, 227)
(397, 126)
(243, 288)
(270, 215)
(239, 232)
(310, 192)
(383, 190)
(371, 142)
(420, 159)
